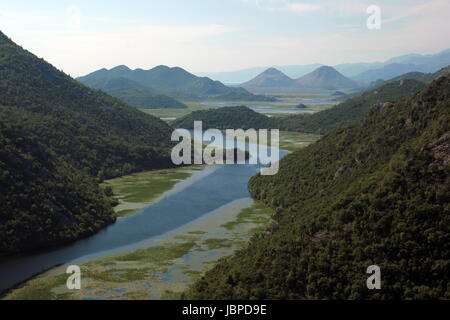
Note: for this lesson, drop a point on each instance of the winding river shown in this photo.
(202, 193)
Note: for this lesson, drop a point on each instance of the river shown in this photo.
(202, 193)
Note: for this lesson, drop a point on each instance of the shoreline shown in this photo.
(159, 268)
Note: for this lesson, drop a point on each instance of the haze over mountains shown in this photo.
(270, 78)
(323, 77)
(362, 71)
(174, 82)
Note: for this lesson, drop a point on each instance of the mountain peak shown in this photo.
(272, 71)
(121, 68)
(325, 77)
(270, 78)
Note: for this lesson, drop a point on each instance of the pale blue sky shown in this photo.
(221, 35)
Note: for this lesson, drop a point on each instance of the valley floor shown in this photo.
(163, 267)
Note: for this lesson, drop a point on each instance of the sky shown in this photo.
(81, 36)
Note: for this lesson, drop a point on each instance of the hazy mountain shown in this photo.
(175, 82)
(270, 78)
(327, 78)
(350, 70)
(387, 72)
(419, 76)
(406, 64)
(58, 140)
(241, 76)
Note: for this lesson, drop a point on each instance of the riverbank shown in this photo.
(158, 269)
(163, 248)
(139, 190)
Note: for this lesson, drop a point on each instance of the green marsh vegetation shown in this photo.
(139, 190)
(159, 271)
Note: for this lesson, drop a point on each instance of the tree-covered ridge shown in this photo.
(225, 118)
(143, 99)
(58, 139)
(373, 193)
(134, 94)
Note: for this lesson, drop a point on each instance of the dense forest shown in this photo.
(58, 140)
(371, 193)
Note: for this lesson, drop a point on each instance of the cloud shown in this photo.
(429, 8)
(142, 46)
(285, 5)
(302, 7)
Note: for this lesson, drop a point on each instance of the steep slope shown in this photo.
(58, 139)
(373, 193)
(271, 78)
(325, 77)
(176, 82)
(349, 110)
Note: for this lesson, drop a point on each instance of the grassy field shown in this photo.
(139, 190)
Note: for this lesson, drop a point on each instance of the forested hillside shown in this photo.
(225, 118)
(372, 193)
(134, 94)
(58, 139)
(143, 99)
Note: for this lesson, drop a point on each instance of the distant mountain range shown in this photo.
(240, 76)
(363, 71)
(174, 82)
(323, 77)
